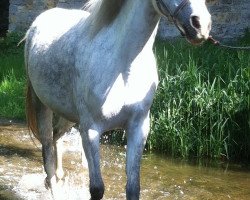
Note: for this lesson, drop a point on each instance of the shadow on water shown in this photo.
(10, 151)
(7, 194)
(22, 176)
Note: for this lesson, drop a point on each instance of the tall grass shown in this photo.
(12, 77)
(202, 106)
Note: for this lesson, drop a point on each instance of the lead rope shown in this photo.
(217, 43)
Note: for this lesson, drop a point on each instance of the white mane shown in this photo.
(92, 5)
(103, 12)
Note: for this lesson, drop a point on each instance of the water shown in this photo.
(22, 175)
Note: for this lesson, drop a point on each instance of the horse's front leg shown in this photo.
(90, 142)
(137, 133)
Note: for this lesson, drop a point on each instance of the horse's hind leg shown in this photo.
(60, 126)
(39, 119)
(58, 145)
(44, 125)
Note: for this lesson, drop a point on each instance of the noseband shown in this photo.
(167, 11)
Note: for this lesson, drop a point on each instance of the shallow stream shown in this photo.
(22, 176)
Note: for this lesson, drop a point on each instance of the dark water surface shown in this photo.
(22, 175)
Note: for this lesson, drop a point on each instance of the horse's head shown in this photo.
(190, 16)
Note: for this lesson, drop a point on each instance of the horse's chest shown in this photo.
(124, 94)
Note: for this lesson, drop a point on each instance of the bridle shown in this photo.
(164, 9)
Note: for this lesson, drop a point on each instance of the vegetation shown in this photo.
(12, 78)
(202, 105)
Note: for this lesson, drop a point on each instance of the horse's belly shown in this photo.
(59, 101)
(54, 89)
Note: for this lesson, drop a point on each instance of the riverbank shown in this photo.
(9, 122)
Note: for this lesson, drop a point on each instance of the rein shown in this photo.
(217, 43)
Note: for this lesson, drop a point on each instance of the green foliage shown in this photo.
(12, 97)
(9, 44)
(12, 77)
(202, 104)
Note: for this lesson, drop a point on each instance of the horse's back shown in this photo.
(53, 23)
(52, 36)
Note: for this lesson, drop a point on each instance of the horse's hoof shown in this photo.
(63, 181)
(47, 184)
(61, 178)
(60, 175)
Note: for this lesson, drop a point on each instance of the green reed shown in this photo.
(202, 105)
(12, 77)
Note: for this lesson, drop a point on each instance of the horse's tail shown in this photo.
(30, 95)
(31, 111)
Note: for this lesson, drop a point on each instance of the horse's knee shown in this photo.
(97, 192)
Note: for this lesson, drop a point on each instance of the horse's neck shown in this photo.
(135, 25)
(128, 33)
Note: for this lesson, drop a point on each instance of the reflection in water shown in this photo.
(22, 176)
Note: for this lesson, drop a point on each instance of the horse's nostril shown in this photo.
(209, 26)
(195, 21)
